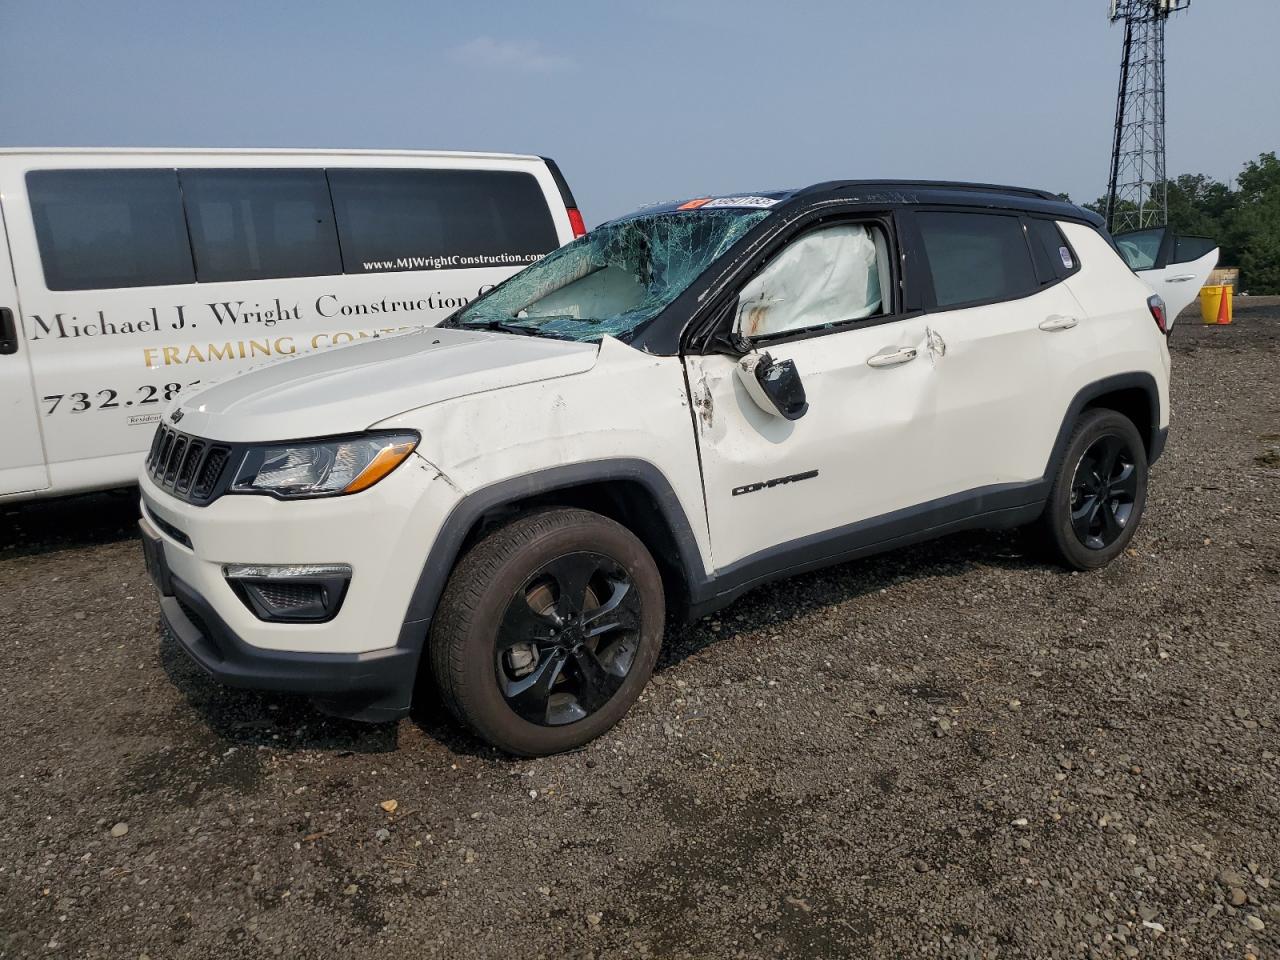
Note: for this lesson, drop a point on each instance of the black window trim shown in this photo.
(716, 339)
(922, 270)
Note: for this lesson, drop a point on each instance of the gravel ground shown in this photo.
(952, 751)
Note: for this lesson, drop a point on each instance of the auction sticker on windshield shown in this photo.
(707, 203)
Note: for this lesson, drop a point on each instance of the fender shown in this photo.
(1140, 380)
(448, 543)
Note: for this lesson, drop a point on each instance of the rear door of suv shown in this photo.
(1005, 339)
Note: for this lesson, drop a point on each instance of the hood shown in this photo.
(346, 389)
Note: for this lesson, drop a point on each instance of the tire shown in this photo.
(505, 633)
(1090, 518)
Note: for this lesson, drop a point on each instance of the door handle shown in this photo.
(902, 355)
(1180, 278)
(1058, 322)
(8, 332)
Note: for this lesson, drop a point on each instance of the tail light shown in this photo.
(575, 221)
(1159, 313)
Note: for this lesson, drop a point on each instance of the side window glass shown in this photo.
(99, 229)
(1054, 257)
(827, 276)
(1140, 248)
(440, 219)
(260, 224)
(976, 257)
(1186, 249)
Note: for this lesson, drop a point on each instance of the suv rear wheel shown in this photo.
(1098, 493)
(548, 630)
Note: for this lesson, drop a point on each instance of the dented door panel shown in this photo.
(997, 358)
(864, 447)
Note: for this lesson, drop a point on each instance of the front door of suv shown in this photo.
(777, 490)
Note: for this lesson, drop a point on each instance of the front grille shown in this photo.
(209, 473)
(188, 467)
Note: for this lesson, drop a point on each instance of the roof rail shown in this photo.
(937, 185)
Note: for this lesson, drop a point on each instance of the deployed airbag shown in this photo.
(824, 277)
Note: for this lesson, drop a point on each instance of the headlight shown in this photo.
(322, 468)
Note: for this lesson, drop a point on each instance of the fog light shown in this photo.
(295, 593)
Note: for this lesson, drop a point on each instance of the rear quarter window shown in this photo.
(1053, 255)
(440, 219)
(109, 228)
(976, 257)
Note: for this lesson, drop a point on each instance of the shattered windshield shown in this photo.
(613, 280)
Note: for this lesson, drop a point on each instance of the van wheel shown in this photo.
(1098, 493)
(548, 630)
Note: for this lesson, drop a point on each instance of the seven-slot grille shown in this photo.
(187, 467)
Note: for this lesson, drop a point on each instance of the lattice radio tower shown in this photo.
(1137, 195)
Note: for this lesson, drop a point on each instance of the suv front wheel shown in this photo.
(1098, 492)
(548, 630)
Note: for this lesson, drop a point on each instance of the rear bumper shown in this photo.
(375, 686)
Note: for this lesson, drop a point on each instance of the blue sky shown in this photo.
(645, 100)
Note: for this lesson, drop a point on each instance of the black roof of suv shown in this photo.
(908, 193)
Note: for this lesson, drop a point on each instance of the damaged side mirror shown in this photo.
(774, 385)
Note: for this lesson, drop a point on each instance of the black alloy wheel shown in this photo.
(1098, 494)
(568, 638)
(548, 630)
(1103, 491)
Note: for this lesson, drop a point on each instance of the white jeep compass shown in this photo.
(685, 403)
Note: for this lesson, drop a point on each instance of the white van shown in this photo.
(128, 276)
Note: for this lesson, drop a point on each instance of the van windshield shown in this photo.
(612, 281)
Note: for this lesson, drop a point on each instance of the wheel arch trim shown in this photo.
(1139, 380)
(448, 543)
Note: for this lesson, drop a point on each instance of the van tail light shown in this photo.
(575, 221)
(1159, 313)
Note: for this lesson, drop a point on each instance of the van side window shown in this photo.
(439, 219)
(260, 224)
(976, 257)
(98, 229)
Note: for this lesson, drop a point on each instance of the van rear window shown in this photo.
(109, 228)
(440, 219)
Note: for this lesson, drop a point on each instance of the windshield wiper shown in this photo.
(506, 326)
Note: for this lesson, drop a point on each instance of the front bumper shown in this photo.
(363, 662)
(374, 686)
